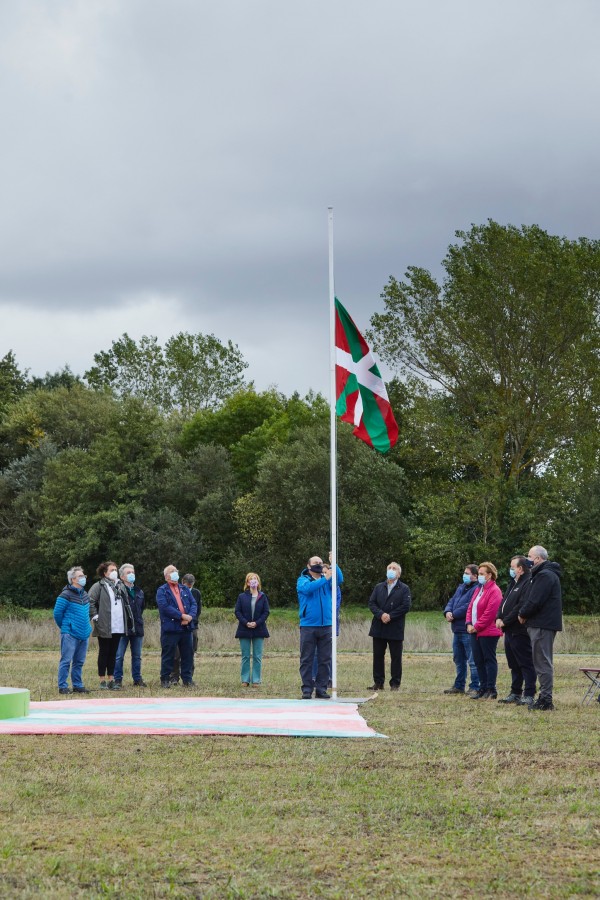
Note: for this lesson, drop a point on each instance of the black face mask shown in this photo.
(317, 569)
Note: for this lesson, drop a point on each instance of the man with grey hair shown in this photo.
(135, 634)
(177, 609)
(541, 611)
(389, 603)
(72, 615)
(189, 581)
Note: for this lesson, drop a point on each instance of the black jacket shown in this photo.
(512, 601)
(542, 606)
(397, 604)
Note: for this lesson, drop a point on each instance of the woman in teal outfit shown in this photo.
(252, 612)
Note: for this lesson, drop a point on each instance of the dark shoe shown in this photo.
(80, 690)
(490, 695)
(394, 687)
(190, 684)
(115, 686)
(376, 687)
(323, 696)
(473, 694)
(141, 683)
(479, 695)
(166, 684)
(545, 705)
(454, 690)
(306, 695)
(65, 691)
(103, 686)
(173, 680)
(526, 701)
(512, 698)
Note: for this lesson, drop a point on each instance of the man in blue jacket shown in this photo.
(314, 607)
(72, 615)
(455, 612)
(177, 609)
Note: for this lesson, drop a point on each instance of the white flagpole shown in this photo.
(333, 461)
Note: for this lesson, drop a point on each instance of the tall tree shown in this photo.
(191, 372)
(512, 335)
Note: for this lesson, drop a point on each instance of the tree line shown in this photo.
(161, 454)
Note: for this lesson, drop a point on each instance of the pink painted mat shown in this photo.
(192, 715)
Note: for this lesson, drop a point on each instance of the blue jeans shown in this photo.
(463, 655)
(252, 646)
(72, 656)
(136, 641)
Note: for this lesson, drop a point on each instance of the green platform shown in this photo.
(14, 703)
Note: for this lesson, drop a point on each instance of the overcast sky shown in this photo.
(167, 165)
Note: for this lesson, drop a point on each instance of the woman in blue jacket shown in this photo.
(252, 612)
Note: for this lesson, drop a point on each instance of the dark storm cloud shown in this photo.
(189, 151)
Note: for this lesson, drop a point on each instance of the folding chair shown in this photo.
(594, 688)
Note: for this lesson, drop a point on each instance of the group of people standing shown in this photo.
(528, 615)
(113, 612)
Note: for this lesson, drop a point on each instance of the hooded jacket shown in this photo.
(314, 599)
(458, 605)
(542, 606)
(72, 613)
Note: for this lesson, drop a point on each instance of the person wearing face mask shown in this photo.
(252, 612)
(135, 636)
(112, 618)
(517, 645)
(389, 603)
(177, 608)
(541, 612)
(72, 615)
(314, 607)
(481, 625)
(189, 581)
(455, 612)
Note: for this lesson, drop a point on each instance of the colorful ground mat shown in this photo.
(192, 715)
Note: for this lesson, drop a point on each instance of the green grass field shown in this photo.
(465, 799)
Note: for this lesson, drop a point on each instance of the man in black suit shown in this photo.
(389, 603)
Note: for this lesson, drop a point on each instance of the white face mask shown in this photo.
(114, 575)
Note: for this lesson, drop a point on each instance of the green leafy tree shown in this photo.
(191, 372)
(13, 382)
(285, 519)
(500, 371)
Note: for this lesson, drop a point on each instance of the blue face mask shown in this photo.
(481, 579)
(131, 578)
(467, 579)
(512, 572)
(174, 576)
(391, 574)
(82, 581)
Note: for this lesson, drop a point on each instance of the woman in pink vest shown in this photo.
(481, 625)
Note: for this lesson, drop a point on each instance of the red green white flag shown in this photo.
(361, 395)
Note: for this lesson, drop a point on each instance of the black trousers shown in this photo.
(379, 646)
(520, 662)
(107, 654)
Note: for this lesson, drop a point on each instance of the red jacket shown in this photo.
(487, 610)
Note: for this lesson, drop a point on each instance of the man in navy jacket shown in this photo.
(177, 609)
(455, 612)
